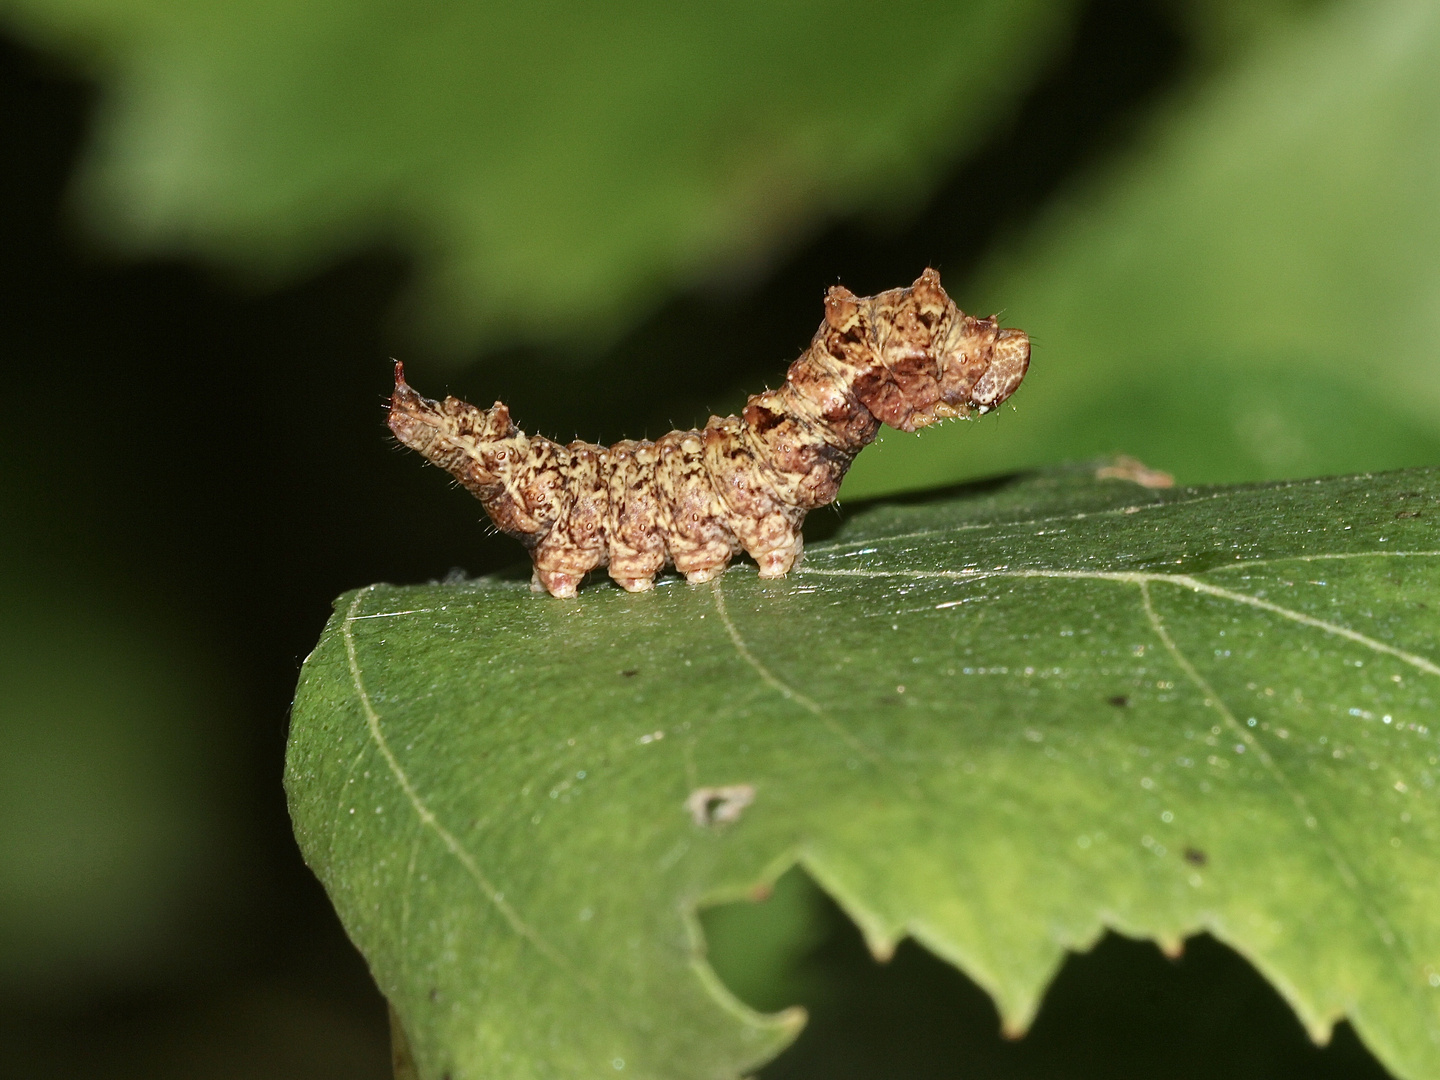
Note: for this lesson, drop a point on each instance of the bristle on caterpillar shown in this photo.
(695, 499)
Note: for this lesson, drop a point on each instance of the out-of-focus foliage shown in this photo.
(1253, 293)
(759, 947)
(111, 840)
(552, 164)
(1221, 29)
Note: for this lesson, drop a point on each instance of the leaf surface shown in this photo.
(999, 720)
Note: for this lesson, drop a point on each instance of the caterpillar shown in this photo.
(695, 499)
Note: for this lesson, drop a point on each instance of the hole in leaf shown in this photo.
(1119, 1010)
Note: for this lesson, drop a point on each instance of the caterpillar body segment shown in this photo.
(695, 499)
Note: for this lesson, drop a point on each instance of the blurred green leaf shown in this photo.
(1253, 294)
(997, 722)
(112, 842)
(1220, 29)
(553, 165)
(759, 948)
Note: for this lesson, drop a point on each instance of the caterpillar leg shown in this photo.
(634, 584)
(699, 577)
(556, 582)
(778, 561)
(637, 548)
(634, 571)
(571, 549)
(700, 542)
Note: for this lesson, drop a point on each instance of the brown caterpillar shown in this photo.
(694, 499)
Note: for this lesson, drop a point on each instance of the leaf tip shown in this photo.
(881, 948)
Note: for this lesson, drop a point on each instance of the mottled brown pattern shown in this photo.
(695, 499)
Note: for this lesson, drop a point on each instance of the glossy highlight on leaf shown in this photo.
(999, 721)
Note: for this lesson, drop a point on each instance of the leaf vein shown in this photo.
(1430, 667)
(424, 813)
(786, 691)
(1323, 557)
(1132, 508)
(1307, 815)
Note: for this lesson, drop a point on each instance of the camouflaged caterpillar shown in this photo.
(694, 499)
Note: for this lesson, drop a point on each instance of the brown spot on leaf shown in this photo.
(1119, 701)
(1136, 471)
(1195, 857)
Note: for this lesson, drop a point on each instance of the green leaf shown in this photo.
(1250, 292)
(552, 165)
(998, 721)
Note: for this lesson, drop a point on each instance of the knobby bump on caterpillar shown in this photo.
(695, 499)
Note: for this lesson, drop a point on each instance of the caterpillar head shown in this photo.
(918, 358)
(1009, 360)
